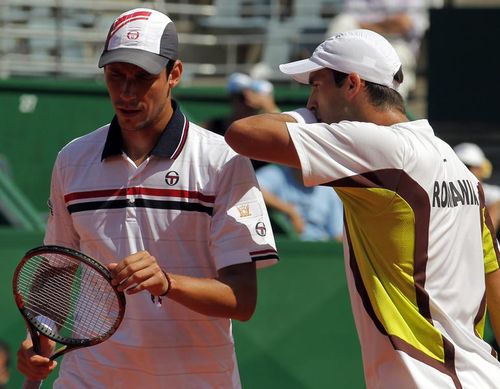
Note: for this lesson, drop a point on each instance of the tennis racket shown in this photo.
(68, 297)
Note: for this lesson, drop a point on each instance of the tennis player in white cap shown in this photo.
(421, 258)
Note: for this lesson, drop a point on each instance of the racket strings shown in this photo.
(71, 293)
(84, 325)
(59, 312)
(44, 296)
(100, 302)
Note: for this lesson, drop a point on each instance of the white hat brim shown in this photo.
(300, 70)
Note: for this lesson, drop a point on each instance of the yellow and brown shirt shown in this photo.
(417, 245)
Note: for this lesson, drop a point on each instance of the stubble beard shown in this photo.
(141, 125)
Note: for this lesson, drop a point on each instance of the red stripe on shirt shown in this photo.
(183, 139)
(260, 252)
(185, 194)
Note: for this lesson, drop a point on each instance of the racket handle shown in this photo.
(32, 384)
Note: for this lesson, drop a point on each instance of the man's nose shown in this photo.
(311, 103)
(127, 91)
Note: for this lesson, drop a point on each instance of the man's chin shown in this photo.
(129, 124)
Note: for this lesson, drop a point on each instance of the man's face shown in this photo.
(141, 100)
(326, 99)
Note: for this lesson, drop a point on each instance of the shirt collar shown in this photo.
(169, 144)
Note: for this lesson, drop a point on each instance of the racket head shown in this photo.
(67, 296)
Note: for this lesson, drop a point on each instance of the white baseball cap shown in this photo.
(470, 154)
(142, 37)
(358, 51)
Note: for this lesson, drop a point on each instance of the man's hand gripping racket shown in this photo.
(67, 297)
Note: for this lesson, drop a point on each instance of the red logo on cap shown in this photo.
(133, 35)
(120, 22)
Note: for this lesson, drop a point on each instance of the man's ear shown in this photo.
(175, 74)
(354, 84)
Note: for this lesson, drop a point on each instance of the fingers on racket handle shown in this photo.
(32, 384)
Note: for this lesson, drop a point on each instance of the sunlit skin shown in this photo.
(142, 103)
(326, 99)
(266, 137)
(332, 104)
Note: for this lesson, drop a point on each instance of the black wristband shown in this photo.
(169, 281)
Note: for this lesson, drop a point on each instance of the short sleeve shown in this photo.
(240, 230)
(60, 229)
(329, 152)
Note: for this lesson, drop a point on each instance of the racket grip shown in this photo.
(32, 384)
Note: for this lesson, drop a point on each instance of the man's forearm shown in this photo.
(264, 137)
(233, 294)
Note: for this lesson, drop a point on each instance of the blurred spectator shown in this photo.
(4, 364)
(315, 213)
(402, 22)
(247, 97)
(473, 157)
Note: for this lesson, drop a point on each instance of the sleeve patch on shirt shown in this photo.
(244, 210)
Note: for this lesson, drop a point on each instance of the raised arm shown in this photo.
(265, 138)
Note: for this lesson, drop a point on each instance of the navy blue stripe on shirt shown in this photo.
(139, 203)
(264, 257)
(261, 255)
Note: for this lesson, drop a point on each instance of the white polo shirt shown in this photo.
(417, 247)
(195, 206)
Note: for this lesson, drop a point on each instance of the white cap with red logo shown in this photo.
(142, 37)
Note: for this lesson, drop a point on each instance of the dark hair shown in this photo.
(170, 66)
(339, 77)
(380, 96)
(238, 96)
